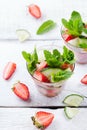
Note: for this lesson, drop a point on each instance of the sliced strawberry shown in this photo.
(42, 65)
(21, 90)
(9, 70)
(84, 79)
(85, 25)
(66, 66)
(42, 119)
(41, 77)
(34, 10)
(67, 37)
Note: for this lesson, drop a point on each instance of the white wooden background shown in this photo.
(14, 15)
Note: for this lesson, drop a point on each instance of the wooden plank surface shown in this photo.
(20, 119)
(11, 51)
(14, 15)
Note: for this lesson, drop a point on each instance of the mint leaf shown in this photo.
(27, 56)
(52, 59)
(56, 53)
(85, 30)
(46, 26)
(68, 56)
(35, 56)
(82, 42)
(74, 25)
(61, 75)
(83, 45)
(31, 59)
(31, 66)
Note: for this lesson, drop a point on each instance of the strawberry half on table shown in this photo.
(42, 119)
(21, 90)
(9, 70)
(34, 10)
(84, 80)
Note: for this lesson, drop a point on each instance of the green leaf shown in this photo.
(75, 15)
(31, 59)
(82, 42)
(61, 75)
(46, 26)
(65, 23)
(85, 30)
(51, 59)
(35, 56)
(68, 56)
(56, 53)
(31, 66)
(74, 25)
(83, 45)
(26, 56)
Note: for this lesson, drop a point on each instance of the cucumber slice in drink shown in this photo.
(49, 71)
(22, 34)
(73, 100)
(70, 112)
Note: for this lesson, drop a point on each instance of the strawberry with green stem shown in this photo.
(42, 119)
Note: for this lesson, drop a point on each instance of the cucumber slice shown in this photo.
(70, 112)
(74, 42)
(49, 71)
(22, 34)
(73, 100)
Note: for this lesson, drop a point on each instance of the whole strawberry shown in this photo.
(21, 90)
(42, 119)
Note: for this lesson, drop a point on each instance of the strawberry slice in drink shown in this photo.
(40, 76)
(42, 65)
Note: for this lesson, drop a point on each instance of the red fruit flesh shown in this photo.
(67, 37)
(84, 80)
(9, 70)
(66, 66)
(42, 65)
(42, 119)
(34, 10)
(21, 90)
(41, 77)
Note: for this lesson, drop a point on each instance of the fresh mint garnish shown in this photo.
(61, 75)
(52, 58)
(56, 59)
(75, 25)
(31, 60)
(68, 56)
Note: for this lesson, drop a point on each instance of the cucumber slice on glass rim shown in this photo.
(70, 112)
(73, 100)
(22, 34)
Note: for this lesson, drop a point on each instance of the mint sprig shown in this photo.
(52, 58)
(68, 56)
(61, 75)
(75, 25)
(31, 60)
(56, 59)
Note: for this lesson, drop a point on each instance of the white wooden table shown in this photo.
(14, 15)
